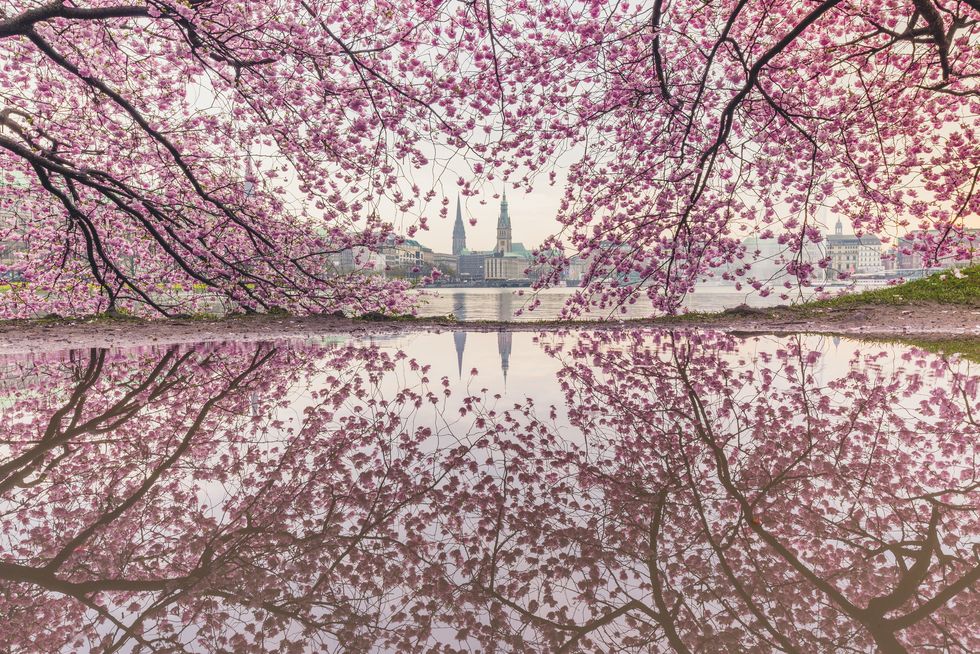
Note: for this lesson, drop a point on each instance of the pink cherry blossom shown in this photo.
(165, 156)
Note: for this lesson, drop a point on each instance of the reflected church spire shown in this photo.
(505, 341)
(459, 339)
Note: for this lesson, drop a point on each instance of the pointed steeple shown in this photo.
(459, 231)
(505, 342)
(249, 185)
(504, 234)
(839, 228)
(459, 339)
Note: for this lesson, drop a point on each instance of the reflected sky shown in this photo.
(641, 491)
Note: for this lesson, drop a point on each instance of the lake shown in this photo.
(518, 491)
(502, 303)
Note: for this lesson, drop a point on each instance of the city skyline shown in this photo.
(537, 211)
(442, 233)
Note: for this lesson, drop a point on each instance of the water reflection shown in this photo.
(459, 341)
(642, 491)
(505, 344)
(471, 304)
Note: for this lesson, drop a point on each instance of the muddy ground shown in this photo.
(922, 322)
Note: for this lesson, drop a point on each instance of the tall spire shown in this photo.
(459, 231)
(459, 339)
(504, 220)
(839, 228)
(505, 342)
(504, 234)
(249, 185)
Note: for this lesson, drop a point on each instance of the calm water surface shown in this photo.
(641, 491)
(504, 303)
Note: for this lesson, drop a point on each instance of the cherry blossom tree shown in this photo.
(152, 148)
(703, 123)
(163, 147)
(685, 497)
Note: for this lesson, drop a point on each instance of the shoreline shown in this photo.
(929, 322)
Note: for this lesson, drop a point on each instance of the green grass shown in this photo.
(939, 288)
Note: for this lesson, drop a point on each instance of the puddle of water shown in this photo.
(519, 491)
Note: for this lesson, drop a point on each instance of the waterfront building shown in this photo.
(909, 258)
(12, 243)
(359, 259)
(510, 261)
(767, 258)
(472, 266)
(509, 266)
(577, 268)
(447, 264)
(459, 231)
(851, 254)
(764, 257)
(889, 260)
(407, 257)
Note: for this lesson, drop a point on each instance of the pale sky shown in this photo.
(532, 219)
(532, 215)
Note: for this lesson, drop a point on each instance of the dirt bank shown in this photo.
(921, 321)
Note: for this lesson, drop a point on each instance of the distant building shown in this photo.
(359, 259)
(12, 242)
(767, 258)
(407, 257)
(850, 254)
(510, 260)
(577, 267)
(764, 256)
(908, 258)
(459, 231)
(507, 266)
(448, 264)
(504, 232)
(889, 260)
(472, 265)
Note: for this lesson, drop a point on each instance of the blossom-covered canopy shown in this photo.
(155, 152)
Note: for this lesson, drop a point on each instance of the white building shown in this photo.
(851, 254)
(359, 259)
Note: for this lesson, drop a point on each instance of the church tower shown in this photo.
(503, 228)
(839, 228)
(459, 232)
